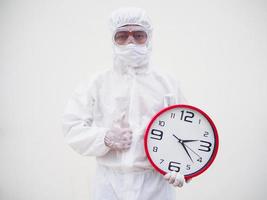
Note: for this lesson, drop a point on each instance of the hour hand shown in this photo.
(185, 141)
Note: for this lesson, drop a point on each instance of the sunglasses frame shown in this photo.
(130, 33)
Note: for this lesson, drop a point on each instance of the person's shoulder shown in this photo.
(93, 80)
(100, 75)
(162, 74)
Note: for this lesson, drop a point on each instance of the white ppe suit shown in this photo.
(127, 91)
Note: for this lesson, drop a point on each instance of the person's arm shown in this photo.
(78, 127)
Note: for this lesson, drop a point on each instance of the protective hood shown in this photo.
(131, 57)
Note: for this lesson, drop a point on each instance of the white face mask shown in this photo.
(132, 55)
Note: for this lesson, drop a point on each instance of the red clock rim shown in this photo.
(215, 135)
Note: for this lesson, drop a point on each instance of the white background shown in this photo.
(218, 50)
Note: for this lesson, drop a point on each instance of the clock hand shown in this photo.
(182, 143)
(187, 152)
(192, 150)
(185, 141)
(179, 140)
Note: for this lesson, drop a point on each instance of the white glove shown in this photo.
(120, 136)
(176, 179)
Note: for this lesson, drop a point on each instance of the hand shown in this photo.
(176, 179)
(120, 136)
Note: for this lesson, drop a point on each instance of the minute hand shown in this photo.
(187, 151)
(182, 143)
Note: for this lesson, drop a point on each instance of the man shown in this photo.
(107, 118)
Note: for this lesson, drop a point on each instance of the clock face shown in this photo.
(181, 138)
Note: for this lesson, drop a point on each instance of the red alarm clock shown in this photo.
(181, 138)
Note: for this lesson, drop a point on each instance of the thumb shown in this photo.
(167, 176)
(124, 122)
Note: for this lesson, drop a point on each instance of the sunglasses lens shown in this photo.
(140, 36)
(121, 37)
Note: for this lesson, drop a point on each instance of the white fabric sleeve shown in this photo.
(78, 127)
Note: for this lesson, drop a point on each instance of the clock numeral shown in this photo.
(206, 146)
(188, 167)
(185, 116)
(173, 115)
(174, 166)
(155, 149)
(206, 134)
(200, 159)
(156, 134)
(161, 161)
(161, 123)
(199, 121)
